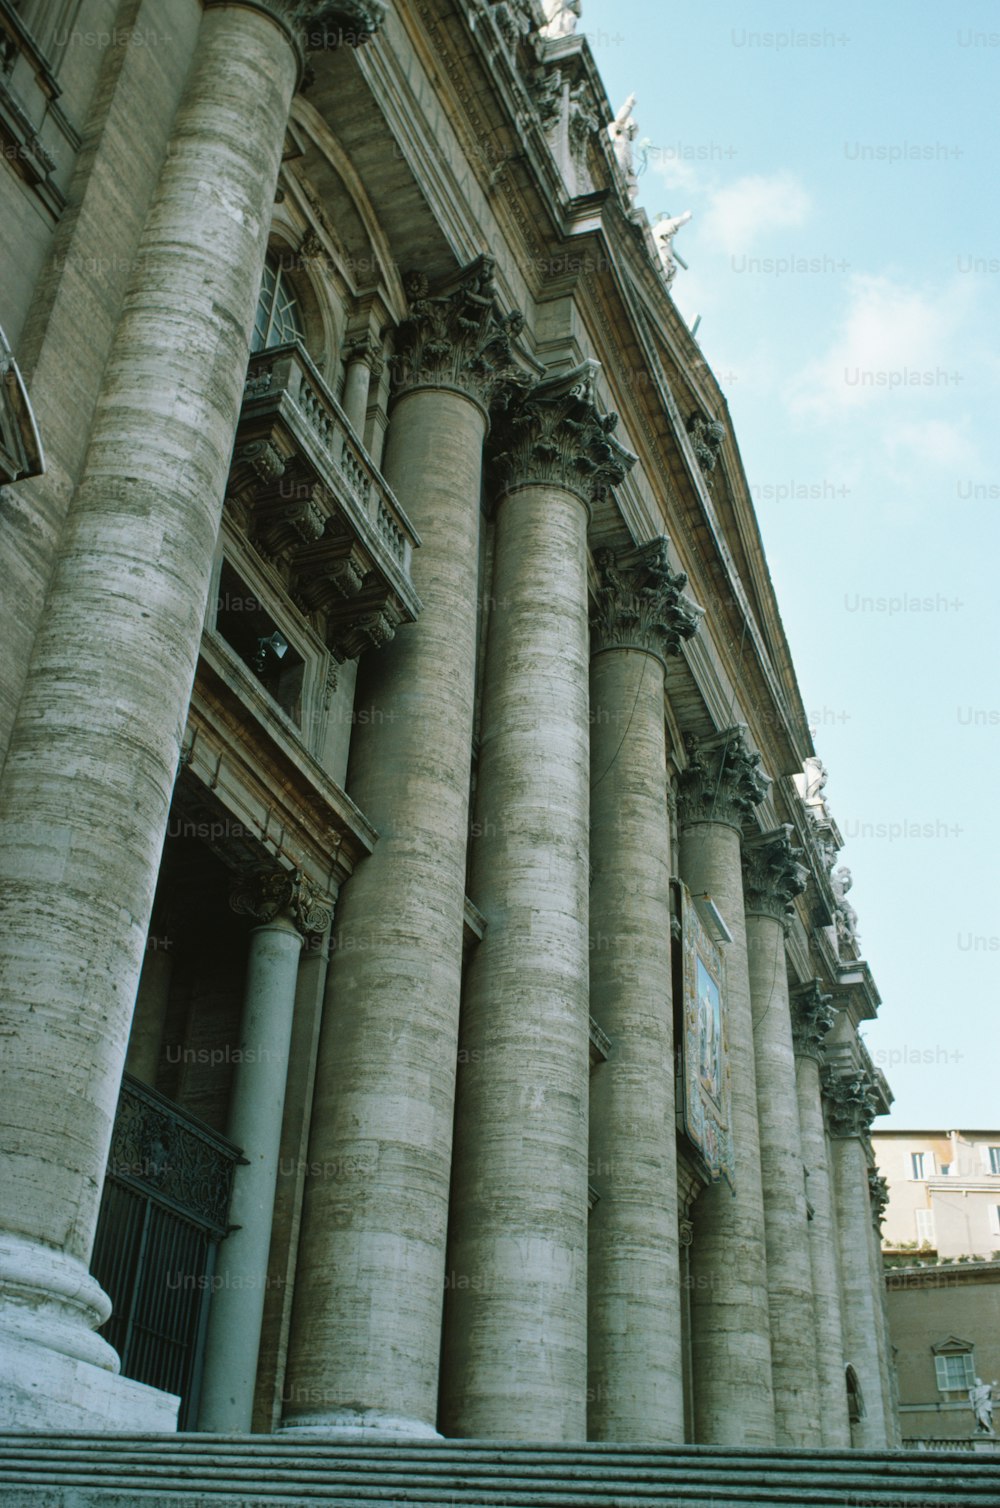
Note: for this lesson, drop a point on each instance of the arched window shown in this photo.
(277, 320)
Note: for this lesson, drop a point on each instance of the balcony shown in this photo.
(309, 498)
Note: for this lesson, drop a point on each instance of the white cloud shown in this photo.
(938, 442)
(751, 208)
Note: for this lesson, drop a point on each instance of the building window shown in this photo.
(995, 1219)
(922, 1164)
(278, 320)
(994, 1153)
(925, 1227)
(955, 1373)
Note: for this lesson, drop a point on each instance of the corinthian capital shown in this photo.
(813, 1016)
(267, 892)
(640, 603)
(772, 874)
(322, 25)
(457, 337)
(852, 1102)
(723, 781)
(552, 435)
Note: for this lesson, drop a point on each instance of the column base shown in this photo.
(360, 1424)
(46, 1390)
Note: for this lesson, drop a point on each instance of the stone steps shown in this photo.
(264, 1471)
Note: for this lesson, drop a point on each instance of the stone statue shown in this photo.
(816, 777)
(623, 130)
(981, 1400)
(663, 234)
(561, 17)
(847, 917)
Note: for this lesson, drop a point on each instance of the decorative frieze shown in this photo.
(723, 781)
(457, 337)
(552, 435)
(813, 1017)
(640, 602)
(851, 1100)
(772, 873)
(267, 892)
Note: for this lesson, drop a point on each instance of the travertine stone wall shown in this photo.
(730, 1323)
(86, 788)
(366, 1330)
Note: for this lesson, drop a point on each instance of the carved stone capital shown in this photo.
(640, 602)
(457, 337)
(878, 1193)
(707, 436)
(813, 1017)
(321, 25)
(852, 1102)
(368, 350)
(723, 781)
(267, 892)
(552, 435)
(772, 874)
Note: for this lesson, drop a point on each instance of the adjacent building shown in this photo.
(430, 998)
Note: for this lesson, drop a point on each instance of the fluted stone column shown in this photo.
(730, 1324)
(287, 910)
(772, 878)
(851, 1108)
(366, 1329)
(812, 1018)
(635, 1364)
(93, 755)
(515, 1348)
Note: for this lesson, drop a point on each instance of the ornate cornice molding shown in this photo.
(320, 25)
(457, 337)
(640, 602)
(267, 892)
(772, 873)
(723, 781)
(852, 1102)
(552, 435)
(813, 1017)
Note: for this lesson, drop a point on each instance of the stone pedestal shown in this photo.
(93, 756)
(730, 1324)
(257, 1102)
(812, 1018)
(851, 1109)
(366, 1329)
(635, 1367)
(515, 1348)
(771, 879)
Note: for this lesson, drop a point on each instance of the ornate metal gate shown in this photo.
(163, 1213)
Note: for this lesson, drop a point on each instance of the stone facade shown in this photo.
(429, 1002)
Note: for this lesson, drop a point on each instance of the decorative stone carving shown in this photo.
(813, 1017)
(772, 874)
(664, 231)
(457, 337)
(323, 25)
(369, 350)
(723, 781)
(20, 446)
(582, 125)
(846, 916)
(878, 1192)
(707, 436)
(623, 130)
(851, 1100)
(561, 17)
(515, 19)
(552, 435)
(685, 1233)
(545, 88)
(815, 777)
(640, 603)
(266, 892)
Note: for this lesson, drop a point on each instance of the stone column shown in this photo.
(151, 1003)
(851, 1107)
(366, 1328)
(93, 755)
(812, 1018)
(730, 1325)
(635, 1359)
(772, 878)
(364, 360)
(515, 1347)
(287, 910)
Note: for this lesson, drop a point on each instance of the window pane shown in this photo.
(277, 320)
(995, 1159)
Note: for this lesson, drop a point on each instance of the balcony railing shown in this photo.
(306, 492)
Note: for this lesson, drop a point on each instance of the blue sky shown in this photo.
(842, 166)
